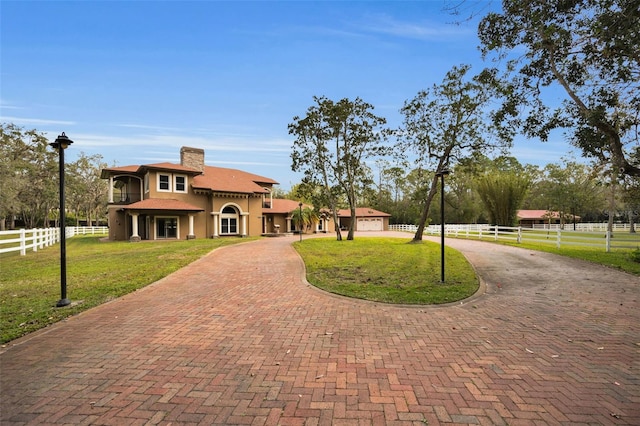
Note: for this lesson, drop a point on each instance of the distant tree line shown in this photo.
(29, 182)
(586, 50)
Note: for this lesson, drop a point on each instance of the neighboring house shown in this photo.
(278, 217)
(186, 200)
(530, 218)
(366, 219)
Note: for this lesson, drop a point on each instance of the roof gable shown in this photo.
(221, 179)
(536, 214)
(363, 212)
(281, 205)
(141, 169)
(168, 167)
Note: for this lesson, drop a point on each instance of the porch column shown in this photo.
(134, 228)
(288, 224)
(215, 224)
(244, 224)
(111, 189)
(191, 235)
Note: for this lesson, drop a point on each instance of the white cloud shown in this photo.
(243, 163)
(385, 24)
(36, 121)
(4, 105)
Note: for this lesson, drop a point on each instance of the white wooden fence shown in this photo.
(590, 235)
(35, 239)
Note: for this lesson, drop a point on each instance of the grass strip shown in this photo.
(388, 270)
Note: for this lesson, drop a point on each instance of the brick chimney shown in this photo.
(192, 157)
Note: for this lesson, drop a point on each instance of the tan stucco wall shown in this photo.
(249, 207)
(277, 219)
(117, 226)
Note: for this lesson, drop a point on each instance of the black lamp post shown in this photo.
(300, 221)
(61, 143)
(441, 174)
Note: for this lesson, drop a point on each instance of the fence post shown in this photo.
(496, 233)
(519, 234)
(23, 249)
(559, 233)
(608, 241)
(36, 239)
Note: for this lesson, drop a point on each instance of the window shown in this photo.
(180, 183)
(146, 183)
(167, 227)
(164, 182)
(229, 221)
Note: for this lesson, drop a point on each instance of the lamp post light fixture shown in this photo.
(61, 143)
(300, 221)
(441, 174)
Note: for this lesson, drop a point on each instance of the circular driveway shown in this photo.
(239, 337)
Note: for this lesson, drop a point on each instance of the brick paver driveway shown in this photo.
(238, 337)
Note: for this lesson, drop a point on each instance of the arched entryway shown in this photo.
(229, 221)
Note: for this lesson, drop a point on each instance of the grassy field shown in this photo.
(387, 270)
(621, 259)
(588, 246)
(96, 273)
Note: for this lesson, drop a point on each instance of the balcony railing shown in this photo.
(126, 198)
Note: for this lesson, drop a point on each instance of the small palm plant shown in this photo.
(304, 219)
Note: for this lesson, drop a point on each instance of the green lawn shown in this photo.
(387, 270)
(96, 273)
(588, 246)
(621, 259)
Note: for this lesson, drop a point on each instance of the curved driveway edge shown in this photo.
(238, 337)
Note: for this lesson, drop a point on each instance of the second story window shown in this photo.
(164, 182)
(180, 183)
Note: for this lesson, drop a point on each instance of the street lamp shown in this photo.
(441, 174)
(300, 221)
(61, 143)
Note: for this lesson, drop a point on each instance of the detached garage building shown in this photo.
(366, 219)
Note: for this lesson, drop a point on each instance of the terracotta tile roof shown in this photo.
(115, 170)
(220, 179)
(217, 179)
(142, 169)
(363, 212)
(169, 166)
(281, 205)
(540, 214)
(163, 204)
(536, 214)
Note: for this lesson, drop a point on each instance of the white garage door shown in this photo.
(370, 224)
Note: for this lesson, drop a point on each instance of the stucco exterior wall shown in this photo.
(280, 220)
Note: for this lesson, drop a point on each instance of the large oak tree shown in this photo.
(333, 143)
(446, 124)
(585, 50)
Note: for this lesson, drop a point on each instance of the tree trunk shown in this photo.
(336, 222)
(425, 212)
(352, 225)
(632, 222)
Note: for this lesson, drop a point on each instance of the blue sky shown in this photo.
(134, 81)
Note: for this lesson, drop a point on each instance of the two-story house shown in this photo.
(186, 200)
